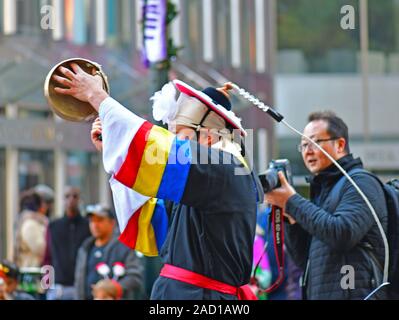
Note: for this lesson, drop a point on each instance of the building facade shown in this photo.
(223, 40)
(324, 65)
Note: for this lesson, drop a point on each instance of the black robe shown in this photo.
(215, 195)
(214, 238)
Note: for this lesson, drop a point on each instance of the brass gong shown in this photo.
(67, 107)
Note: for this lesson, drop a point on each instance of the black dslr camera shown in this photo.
(270, 179)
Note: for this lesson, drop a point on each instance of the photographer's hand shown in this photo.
(280, 196)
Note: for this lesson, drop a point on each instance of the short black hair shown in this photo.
(30, 200)
(336, 127)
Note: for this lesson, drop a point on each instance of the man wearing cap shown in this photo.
(207, 253)
(104, 247)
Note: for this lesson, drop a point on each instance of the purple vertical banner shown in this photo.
(154, 31)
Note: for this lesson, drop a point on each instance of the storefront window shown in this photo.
(35, 167)
(1, 16)
(82, 171)
(28, 16)
(2, 206)
(34, 114)
(383, 36)
(192, 26)
(310, 37)
(126, 22)
(222, 33)
(247, 39)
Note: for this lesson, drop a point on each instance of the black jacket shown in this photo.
(212, 233)
(324, 242)
(65, 236)
(114, 251)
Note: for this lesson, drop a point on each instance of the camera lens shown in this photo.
(269, 180)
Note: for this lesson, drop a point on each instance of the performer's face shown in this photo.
(185, 133)
(205, 136)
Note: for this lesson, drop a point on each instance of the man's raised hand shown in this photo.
(81, 85)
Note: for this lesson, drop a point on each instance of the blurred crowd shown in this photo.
(88, 262)
(77, 256)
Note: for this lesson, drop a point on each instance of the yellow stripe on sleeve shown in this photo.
(146, 242)
(154, 161)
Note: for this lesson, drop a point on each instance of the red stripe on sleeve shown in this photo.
(128, 172)
(129, 235)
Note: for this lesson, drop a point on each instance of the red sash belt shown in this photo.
(198, 280)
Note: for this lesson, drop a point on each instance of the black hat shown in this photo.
(218, 97)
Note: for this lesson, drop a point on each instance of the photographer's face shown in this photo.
(313, 158)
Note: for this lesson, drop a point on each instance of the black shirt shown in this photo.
(66, 236)
(95, 256)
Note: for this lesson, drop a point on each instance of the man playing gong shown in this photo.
(207, 250)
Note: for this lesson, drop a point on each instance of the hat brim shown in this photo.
(97, 214)
(205, 99)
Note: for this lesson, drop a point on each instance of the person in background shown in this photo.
(30, 238)
(47, 196)
(106, 289)
(9, 274)
(103, 256)
(261, 267)
(64, 237)
(289, 288)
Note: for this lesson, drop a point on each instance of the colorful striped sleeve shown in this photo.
(143, 221)
(154, 163)
(147, 228)
(142, 156)
(157, 164)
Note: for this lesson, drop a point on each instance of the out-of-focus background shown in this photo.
(294, 55)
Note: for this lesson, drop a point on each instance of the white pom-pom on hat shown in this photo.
(164, 106)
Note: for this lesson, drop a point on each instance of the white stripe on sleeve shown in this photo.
(119, 126)
(126, 202)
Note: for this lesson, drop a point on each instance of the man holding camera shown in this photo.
(338, 246)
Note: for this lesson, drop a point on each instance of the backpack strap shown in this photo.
(336, 193)
(365, 248)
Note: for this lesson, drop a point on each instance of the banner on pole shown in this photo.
(154, 31)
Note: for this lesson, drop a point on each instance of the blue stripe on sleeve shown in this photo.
(159, 223)
(176, 172)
